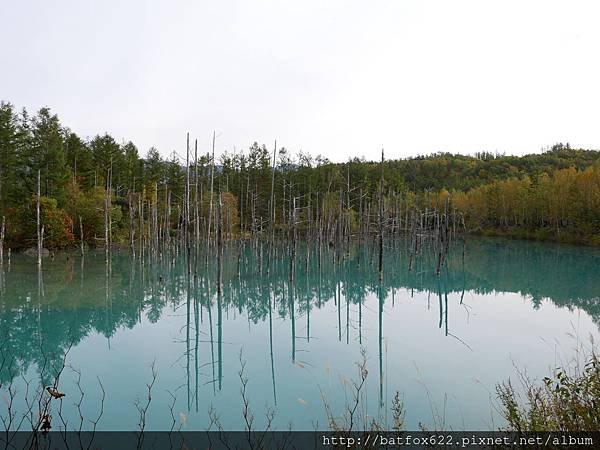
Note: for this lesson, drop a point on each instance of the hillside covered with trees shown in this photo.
(553, 195)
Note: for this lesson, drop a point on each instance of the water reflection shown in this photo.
(75, 297)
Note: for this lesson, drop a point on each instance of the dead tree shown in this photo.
(348, 224)
(167, 218)
(38, 221)
(81, 234)
(131, 224)
(2, 240)
(220, 246)
(196, 203)
(107, 219)
(294, 243)
(413, 239)
(210, 200)
(186, 207)
(380, 221)
(272, 210)
(443, 237)
(141, 212)
(319, 227)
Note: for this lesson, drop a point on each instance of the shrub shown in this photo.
(57, 225)
(563, 402)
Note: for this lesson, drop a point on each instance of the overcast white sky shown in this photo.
(337, 77)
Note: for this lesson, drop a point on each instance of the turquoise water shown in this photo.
(442, 341)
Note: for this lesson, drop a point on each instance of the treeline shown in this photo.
(562, 206)
(99, 191)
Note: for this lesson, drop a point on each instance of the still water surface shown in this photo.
(442, 341)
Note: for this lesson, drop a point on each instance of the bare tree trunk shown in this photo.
(294, 242)
(319, 233)
(368, 230)
(220, 246)
(272, 210)
(2, 240)
(107, 216)
(413, 239)
(340, 226)
(186, 208)
(254, 219)
(242, 221)
(248, 200)
(360, 215)
(380, 221)
(168, 220)
(131, 224)
(141, 210)
(81, 234)
(347, 215)
(210, 200)
(38, 224)
(41, 246)
(283, 215)
(155, 218)
(308, 225)
(196, 204)
(110, 203)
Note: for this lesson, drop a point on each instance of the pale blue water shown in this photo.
(442, 341)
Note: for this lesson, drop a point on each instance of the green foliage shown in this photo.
(79, 157)
(564, 402)
(154, 167)
(9, 140)
(563, 206)
(56, 222)
(44, 151)
(88, 206)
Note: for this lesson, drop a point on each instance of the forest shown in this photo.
(98, 192)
